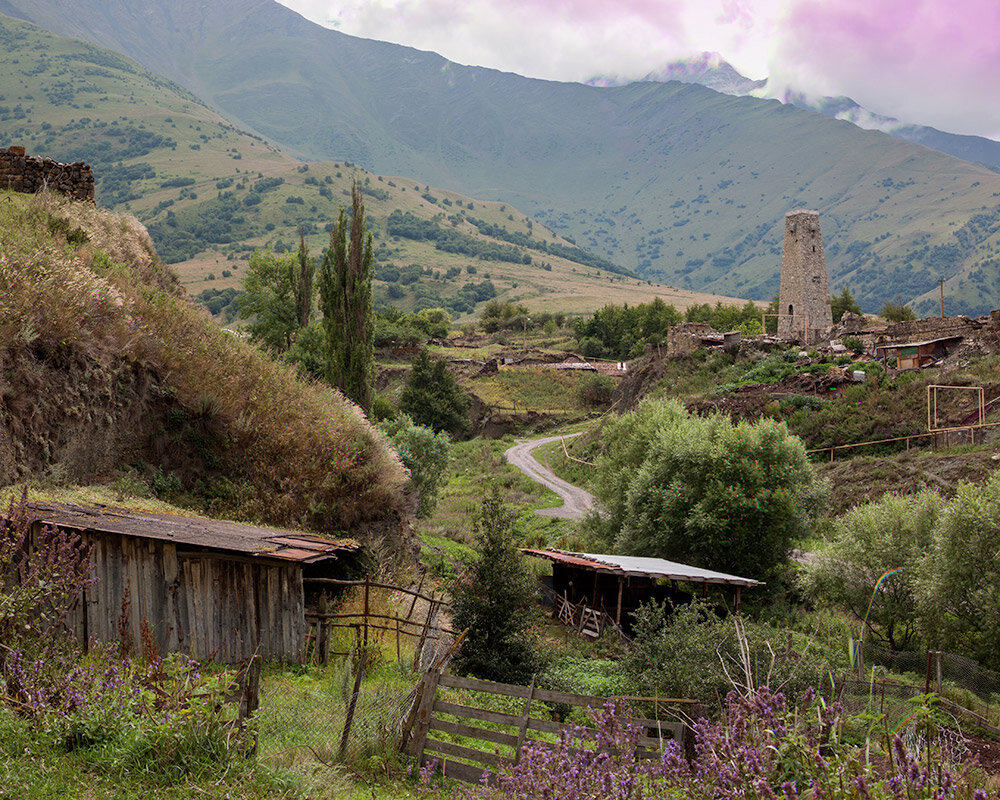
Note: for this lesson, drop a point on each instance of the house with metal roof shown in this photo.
(592, 588)
(204, 587)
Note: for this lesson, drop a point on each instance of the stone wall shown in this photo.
(23, 173)
(687, 336)
(927, 329)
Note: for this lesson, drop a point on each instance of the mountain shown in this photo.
(211, 193)
(711, 70)
(707, 69)
(970, 148)
(681, 183)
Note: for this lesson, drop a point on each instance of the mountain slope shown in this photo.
(108, 372)
(685, 185)
(210, 192)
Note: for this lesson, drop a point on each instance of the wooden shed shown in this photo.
(616, 586)
(207, 588)
(917, 355)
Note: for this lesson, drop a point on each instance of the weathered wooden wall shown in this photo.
(201, 603)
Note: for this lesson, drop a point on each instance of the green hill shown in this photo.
(677, 182)
(210, 192)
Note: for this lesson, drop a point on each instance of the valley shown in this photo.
(387, 420)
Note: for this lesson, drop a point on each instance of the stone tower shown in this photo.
(804, 299)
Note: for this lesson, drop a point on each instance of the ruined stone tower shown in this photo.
(804, 299)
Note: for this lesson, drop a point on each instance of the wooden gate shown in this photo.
(432, 716)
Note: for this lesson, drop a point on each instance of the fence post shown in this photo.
(927, 677)
(349, 717)
(322, 634)
(366, 613)
(938, 659)
(249, 701)
(523, 731)
(860, 650)
(423, 633)
(424, 710)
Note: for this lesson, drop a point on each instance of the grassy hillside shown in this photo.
(678, 182)
(110, 375)
(210, 193)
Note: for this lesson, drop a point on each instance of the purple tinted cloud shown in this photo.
(929, 61)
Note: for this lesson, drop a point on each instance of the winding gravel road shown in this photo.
(576, 502)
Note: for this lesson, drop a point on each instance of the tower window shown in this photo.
(789, 309)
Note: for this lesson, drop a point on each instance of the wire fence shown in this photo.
(971, 688)
(346, 703)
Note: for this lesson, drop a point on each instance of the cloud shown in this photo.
(924, 61)
(933, 62)
(555, 39)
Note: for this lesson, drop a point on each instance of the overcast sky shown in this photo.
(933, 62)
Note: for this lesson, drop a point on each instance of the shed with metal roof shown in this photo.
(204, 587)
(617, 585)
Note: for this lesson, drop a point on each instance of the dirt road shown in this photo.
(576, 502)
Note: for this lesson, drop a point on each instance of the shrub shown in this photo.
(872, 540)
(762, 747)
(705, 491)
(432, 396)
(424, 453)
(597, 389)
(853, 343)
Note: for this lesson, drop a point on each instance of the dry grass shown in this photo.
(310, 456)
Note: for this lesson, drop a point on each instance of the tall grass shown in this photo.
(309, 456)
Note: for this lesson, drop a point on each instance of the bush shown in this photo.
(705, 491)
(433, 398)
(762, 747)
(853, 343)
(872, 540)
(424, 453)
(597, 389)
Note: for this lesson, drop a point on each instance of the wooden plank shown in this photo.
(550, 696)
(468, 712)
(424, 711)
(662, 724)
(459, 729)
(460, 751)
(460, 771)
(548, 726)
(490, 687)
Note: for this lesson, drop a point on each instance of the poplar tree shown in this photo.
(345, 286)
(303, 283)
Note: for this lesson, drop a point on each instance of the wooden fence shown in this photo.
(427, 720)
(585, 620)
(325, 620)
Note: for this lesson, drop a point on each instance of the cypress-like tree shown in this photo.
(345, 286)
(493, 598)
(302, 283)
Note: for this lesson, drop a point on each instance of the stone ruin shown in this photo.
(24, 173)
(804, 298)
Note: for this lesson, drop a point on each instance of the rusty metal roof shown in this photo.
(211, 534)
(641, 567)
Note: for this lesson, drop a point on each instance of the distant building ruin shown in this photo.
(804, 299)
(23, 173)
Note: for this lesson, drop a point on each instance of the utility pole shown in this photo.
(942, 297)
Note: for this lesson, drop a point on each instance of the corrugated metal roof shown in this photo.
(919, 344)
(213, 534)
(645, 567)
